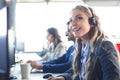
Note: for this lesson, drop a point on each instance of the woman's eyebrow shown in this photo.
(79, 15)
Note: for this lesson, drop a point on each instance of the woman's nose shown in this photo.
(74, 23)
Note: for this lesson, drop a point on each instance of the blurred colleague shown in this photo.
(96, 57)
(56, 47)
(61, 64)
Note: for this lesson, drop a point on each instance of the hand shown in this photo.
(56, 78)
(35, 65)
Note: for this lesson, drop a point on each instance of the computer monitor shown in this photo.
(4, 58)
(7, 48)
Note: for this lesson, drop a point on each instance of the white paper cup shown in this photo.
(25, 70)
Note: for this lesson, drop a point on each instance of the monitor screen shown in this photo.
(4, 62)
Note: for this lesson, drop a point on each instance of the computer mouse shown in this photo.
(12, 77)
(47, 75)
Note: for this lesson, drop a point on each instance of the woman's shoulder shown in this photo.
(61, 44)
(105, 42)
(104, 45)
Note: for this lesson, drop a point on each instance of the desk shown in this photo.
(35, 76)
(38, 76)
(15, 71)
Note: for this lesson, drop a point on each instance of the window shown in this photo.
(33, 19)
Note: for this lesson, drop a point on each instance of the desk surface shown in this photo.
(16, 71)
(38, 76)
(35, 76)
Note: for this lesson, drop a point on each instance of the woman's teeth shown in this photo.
(75, 30)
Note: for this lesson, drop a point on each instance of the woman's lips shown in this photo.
(75, 30)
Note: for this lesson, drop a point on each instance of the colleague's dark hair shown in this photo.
(55, 34)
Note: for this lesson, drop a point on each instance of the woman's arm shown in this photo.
(61, 64)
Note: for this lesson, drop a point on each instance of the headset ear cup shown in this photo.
(92, 21)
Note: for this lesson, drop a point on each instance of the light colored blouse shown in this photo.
(56, 52)
(84, 56)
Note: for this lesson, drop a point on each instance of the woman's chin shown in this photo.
(77, 36)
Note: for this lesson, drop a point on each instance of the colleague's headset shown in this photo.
(92, 19)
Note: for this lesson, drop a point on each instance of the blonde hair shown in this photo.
(95, 34)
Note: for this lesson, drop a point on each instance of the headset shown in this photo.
(92, 19)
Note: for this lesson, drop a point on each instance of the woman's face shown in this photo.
(50, 37)
(79, 23)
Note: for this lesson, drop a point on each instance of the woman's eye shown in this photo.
(79, 18)
(76, 19)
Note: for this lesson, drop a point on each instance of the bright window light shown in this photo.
(33, 19)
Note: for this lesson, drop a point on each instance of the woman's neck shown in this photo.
(85, 39)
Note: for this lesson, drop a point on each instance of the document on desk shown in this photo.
(28, 56)
(36, 71)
